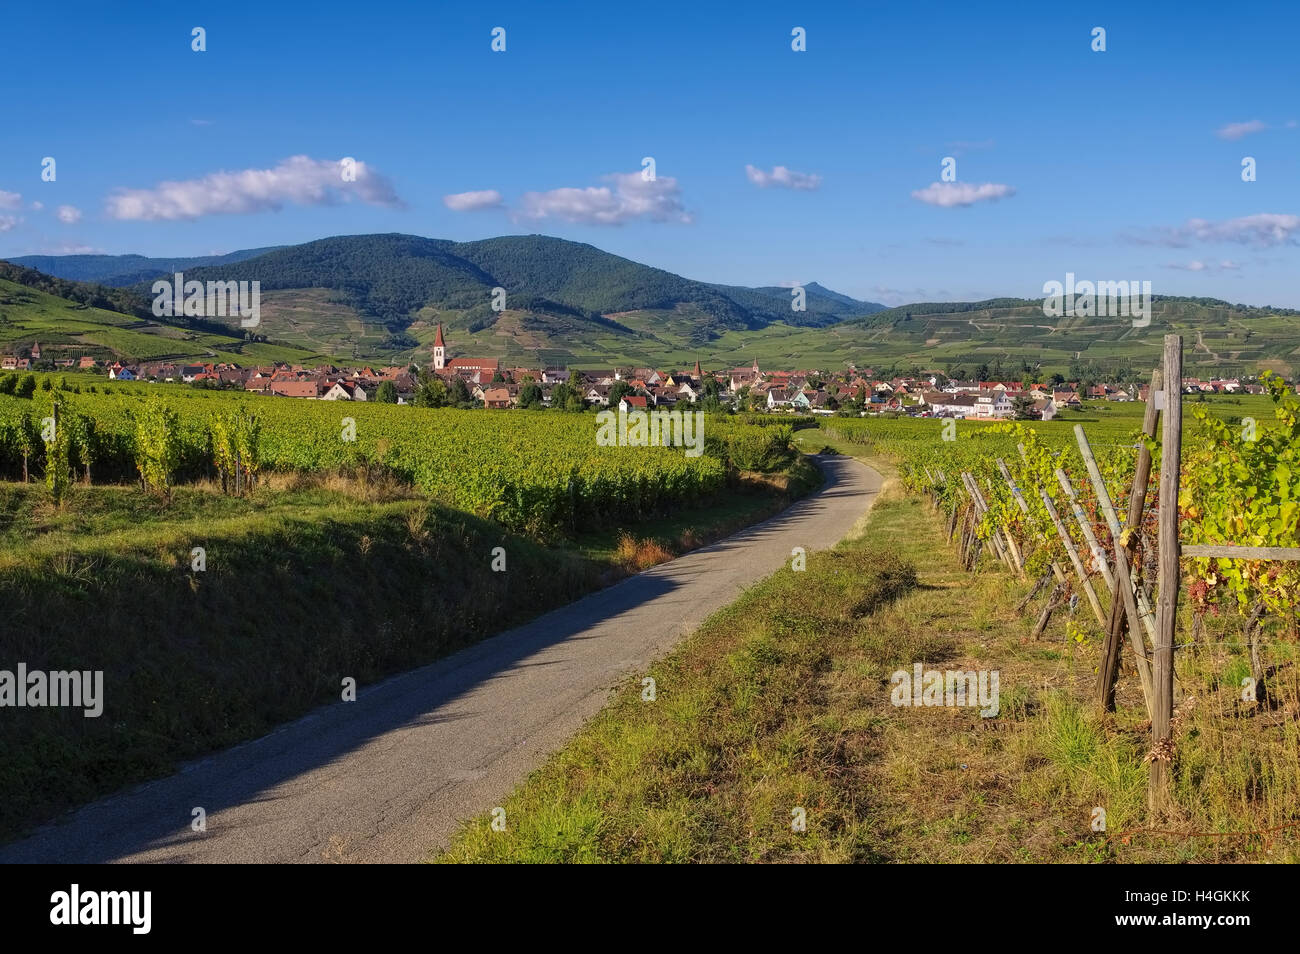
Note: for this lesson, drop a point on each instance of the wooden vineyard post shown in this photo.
(1024, 507)
(1094, 545)
(1125, 600)
(1074, 557)
(981, 507)
(978, 510)
(1017, 561)
(1108, 670)
(1171, 446)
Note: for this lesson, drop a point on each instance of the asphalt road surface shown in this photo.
(390, 777)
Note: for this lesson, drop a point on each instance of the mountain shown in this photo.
(391, 277)
(373, 298)
(822, 306)
(388, 277)
(119, 271)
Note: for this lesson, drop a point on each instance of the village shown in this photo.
(487, 382)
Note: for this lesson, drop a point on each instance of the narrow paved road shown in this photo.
(391, 776)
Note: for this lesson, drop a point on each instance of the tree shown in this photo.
(618, 391)
(560, 396)
(1023, 407)
(566, 397)
(530, 396)
(431, 392)
(710, 403)
(386, 393)
(458, 394)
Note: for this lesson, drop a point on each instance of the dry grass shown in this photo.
(636, 555)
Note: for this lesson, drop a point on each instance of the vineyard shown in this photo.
(1114, 532)
(539, 473)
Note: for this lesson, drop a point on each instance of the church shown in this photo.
(465, 366)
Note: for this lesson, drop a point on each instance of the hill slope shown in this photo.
(72, 319)
(119, 271)
(379, 298)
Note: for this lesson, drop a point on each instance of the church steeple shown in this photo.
(439, 350)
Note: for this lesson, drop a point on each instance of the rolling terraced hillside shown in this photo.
(380, 297)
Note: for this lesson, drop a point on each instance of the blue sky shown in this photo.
(1123, 164)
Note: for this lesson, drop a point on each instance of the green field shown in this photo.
(345, 559)
(65, 329)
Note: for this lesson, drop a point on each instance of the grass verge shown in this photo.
(782, 701)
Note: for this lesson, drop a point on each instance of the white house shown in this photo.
(344, 391)
(778, 397)
(994, 404)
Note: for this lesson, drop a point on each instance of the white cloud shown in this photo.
(631, 197)
(783, 177)
(949, 194)
(1224, 265)
(37, 206)
(68, 214)
(9, 222)
(1263, 229)
(300, 180)
(69, 248)
(1235, 131)
(472, 201)
(10, 200)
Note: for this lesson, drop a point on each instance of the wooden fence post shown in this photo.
(1017, 561)
(1108, 670)
(1073, 554)
(1024, 507)
(981, 507)
(1171, 447)
(1085, 525)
